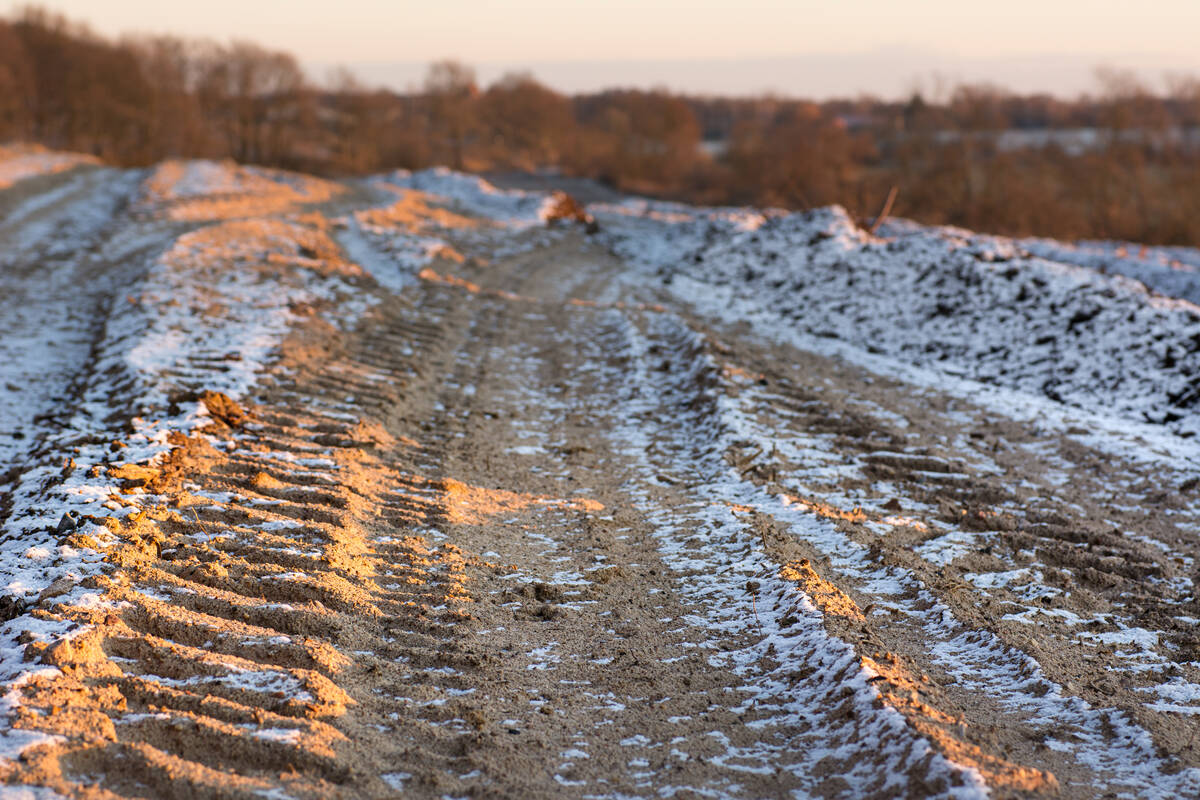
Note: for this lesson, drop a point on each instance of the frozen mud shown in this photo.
(402, 488)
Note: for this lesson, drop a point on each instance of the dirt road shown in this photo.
(492, 514)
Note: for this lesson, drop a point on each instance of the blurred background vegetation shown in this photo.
(1121, 164)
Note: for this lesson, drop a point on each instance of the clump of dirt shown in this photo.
(562, 207)
(220, 406)
(133, 475)
(83, 653)
(262, 480)
(179, 462)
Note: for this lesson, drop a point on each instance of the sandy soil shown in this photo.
(521, 526)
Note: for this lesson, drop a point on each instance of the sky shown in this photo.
(819, 49)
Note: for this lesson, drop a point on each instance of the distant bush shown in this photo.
(1124, 164)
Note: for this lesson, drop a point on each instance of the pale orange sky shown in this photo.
(799, 47)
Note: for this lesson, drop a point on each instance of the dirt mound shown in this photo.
(221, 407)
(562, 207)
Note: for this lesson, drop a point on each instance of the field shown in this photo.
(405, 486)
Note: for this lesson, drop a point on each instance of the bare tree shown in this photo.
(527, 124)
(451, 92)
(18, 92)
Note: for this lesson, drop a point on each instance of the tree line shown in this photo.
(1123, 163)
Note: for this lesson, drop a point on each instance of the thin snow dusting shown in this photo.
(1173, 271)
(963, 306)
(133, 297)
(22, 161)
(705, 543)
(975, 658)
(176, 313)
(200, 191)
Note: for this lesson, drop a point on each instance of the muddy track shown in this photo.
(522, 528)
(58, 289)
